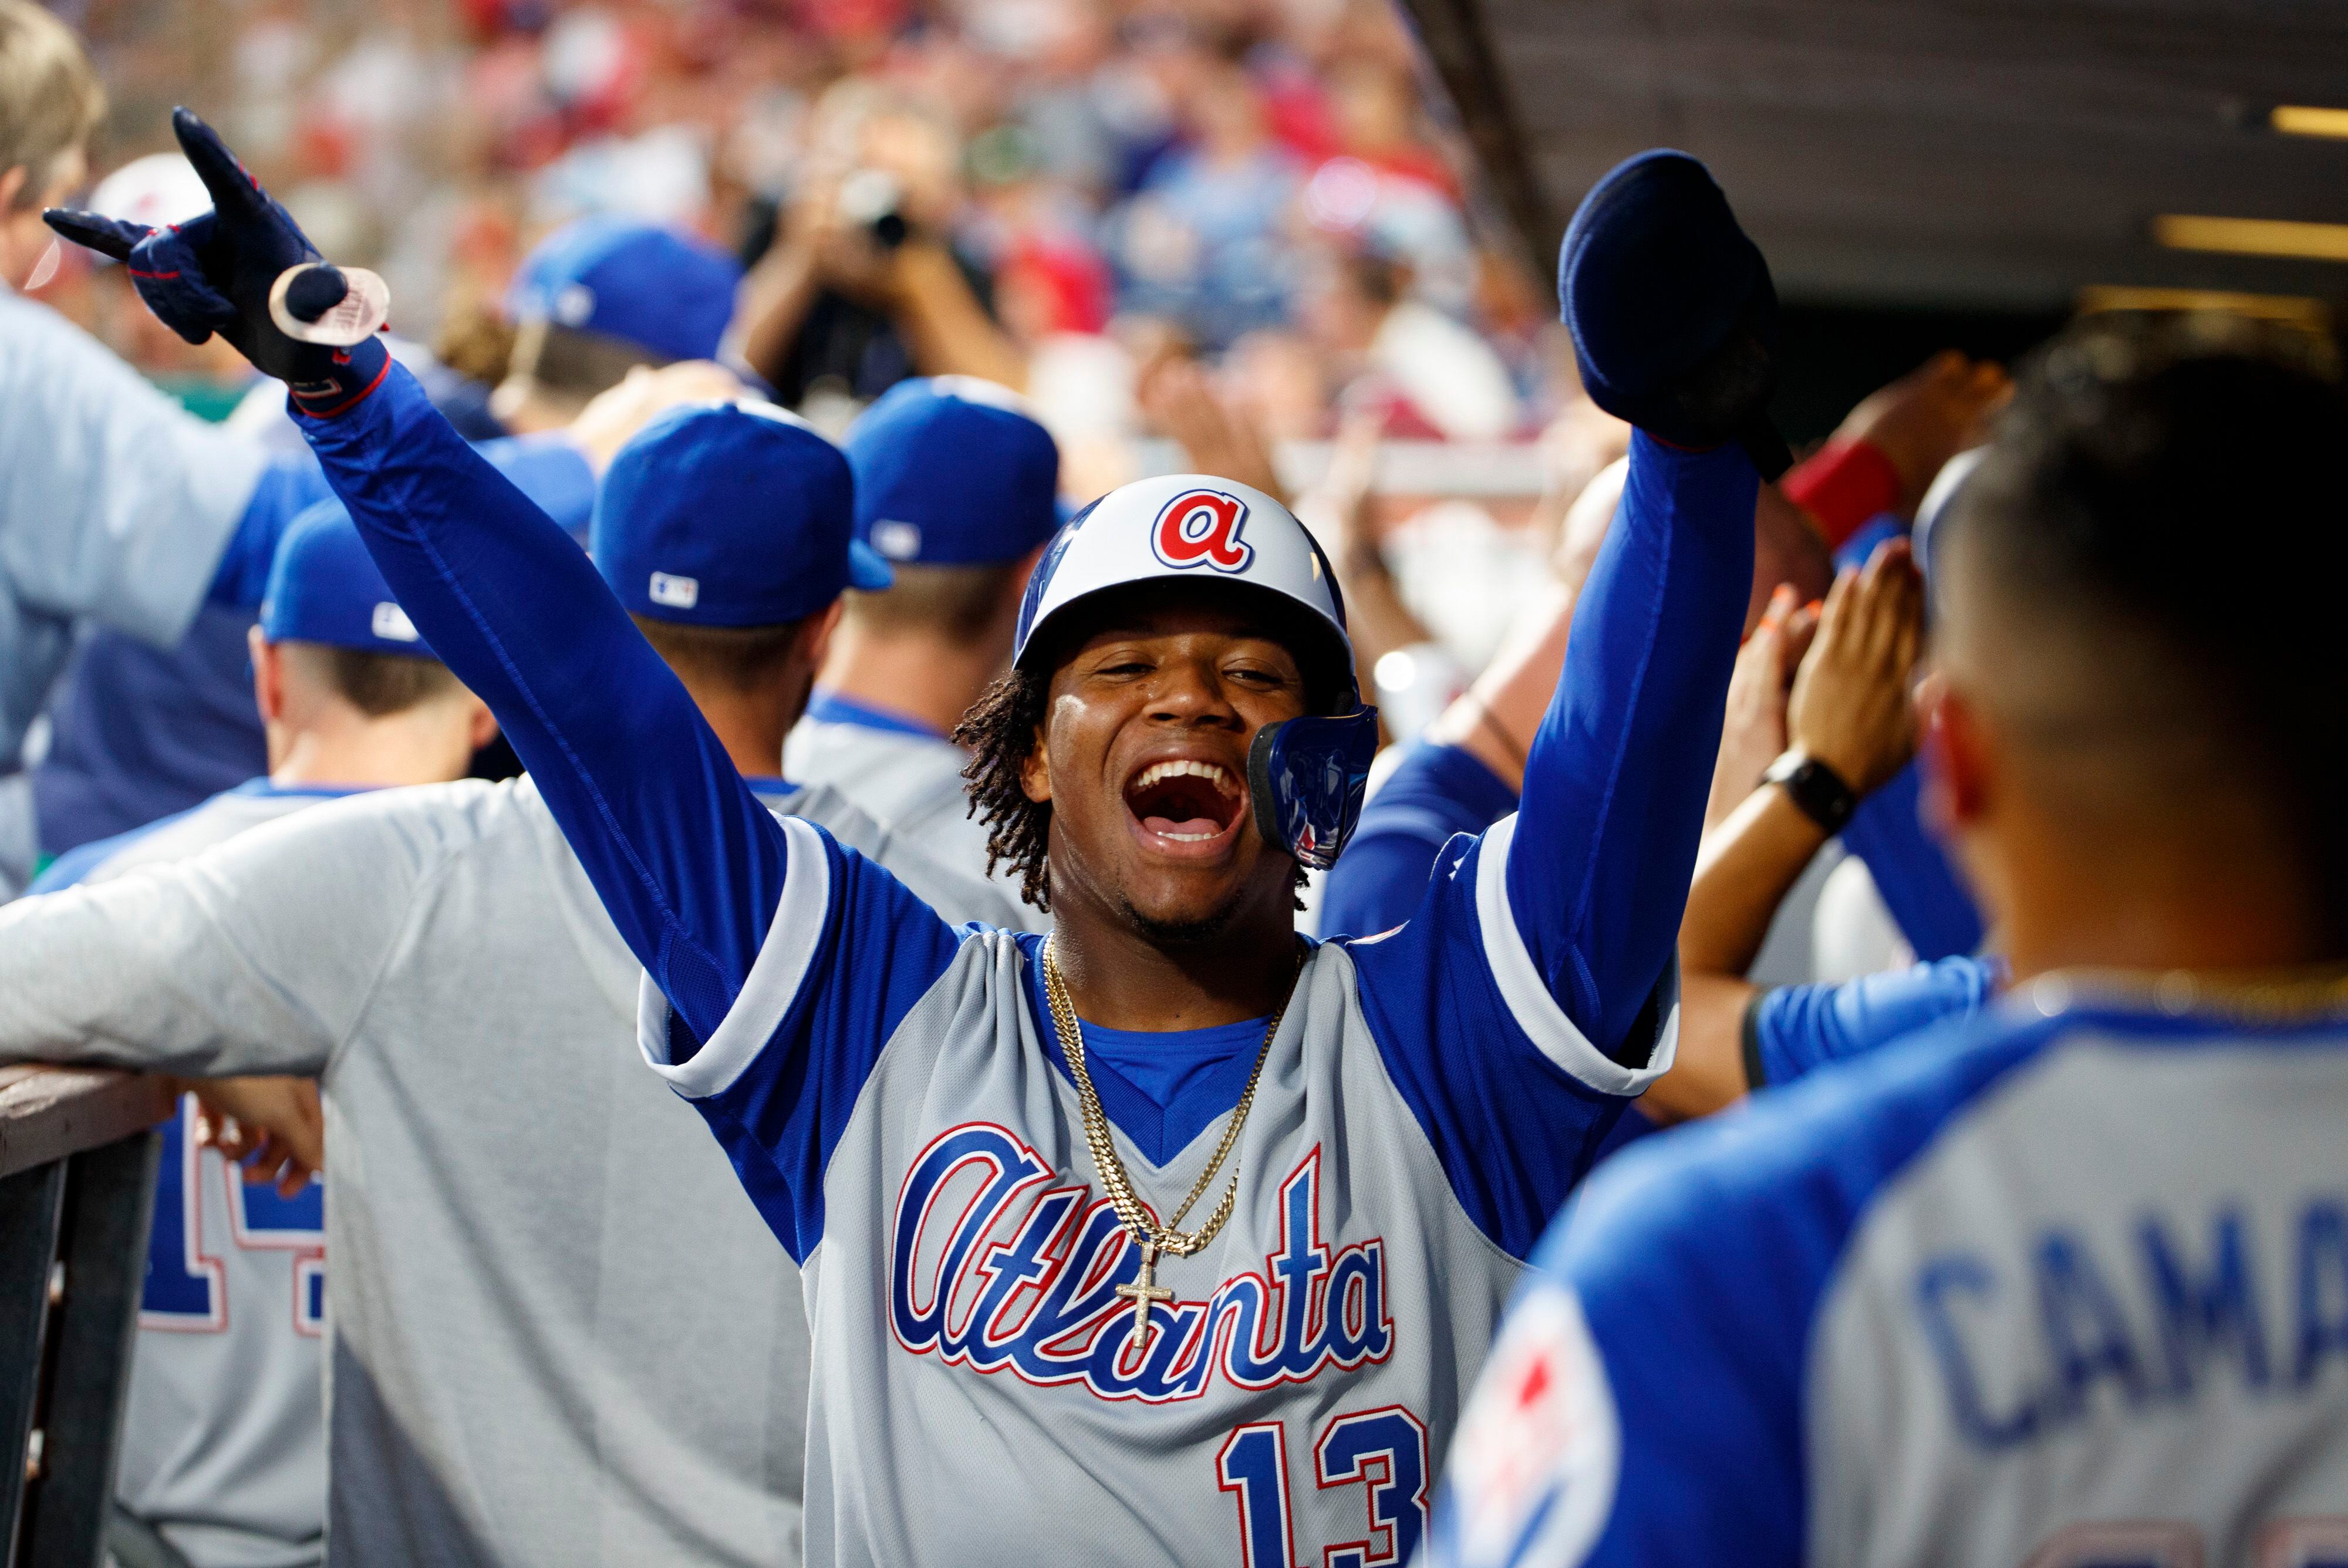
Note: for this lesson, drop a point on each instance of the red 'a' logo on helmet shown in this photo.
(1203, 527)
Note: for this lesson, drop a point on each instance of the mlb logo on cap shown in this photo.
(392, 624)
(954, 471)
(898, 541)
(323, 588)
(678, 593)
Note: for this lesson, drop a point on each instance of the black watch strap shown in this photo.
(1816, 787)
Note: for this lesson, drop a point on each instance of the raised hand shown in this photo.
(1851, 708)
(213, 274)
(1929, 415)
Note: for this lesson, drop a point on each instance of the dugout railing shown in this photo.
(77, 1151)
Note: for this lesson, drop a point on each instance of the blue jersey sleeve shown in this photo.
(1918, 886)
(1618, 773)
(1794, 1029)
(851, 952)
(782, 960)
(1435, 792)
(687, 860)
(1542, 953)
(1643, 1405)
(1513, 1098)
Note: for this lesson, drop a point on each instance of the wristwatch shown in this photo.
(1816, 787)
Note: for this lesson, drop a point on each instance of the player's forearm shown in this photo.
(1707, 1072)
(685, 858)
(1497, 717)
(1617, 776)
(135, 974)
(1744, 874)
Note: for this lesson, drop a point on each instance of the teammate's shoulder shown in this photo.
(1806, 1159)
(425, 822)
(850, 825)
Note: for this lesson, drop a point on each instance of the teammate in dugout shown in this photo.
(957, 488)
(2065, 1285)
(519, 1322)
(223, 1428)
(1037, 1273)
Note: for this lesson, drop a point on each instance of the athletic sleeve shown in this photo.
(1919, 888)
(1617, 776)
(1794, 1029)
(115, 502)
(780, 961)
(1435, 792)
(848, 954)
(1555, 931)
(1645, 1402)
(254, 956)
(688, 862)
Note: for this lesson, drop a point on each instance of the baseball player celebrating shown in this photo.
(956, 487)
(561, 1334)
(224, 1442)
(1171, 1237)
(2067, 1284)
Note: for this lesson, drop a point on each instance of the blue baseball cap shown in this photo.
(661, 289)
(323, 588)
(954, 471)
(730, 514)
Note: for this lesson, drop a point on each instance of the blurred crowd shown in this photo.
(999, 258)
(1094, 185)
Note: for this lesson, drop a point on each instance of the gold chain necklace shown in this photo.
(1145, 1291)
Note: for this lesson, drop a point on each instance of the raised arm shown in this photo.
(1616, 777)
(685, 857)
(687, 860)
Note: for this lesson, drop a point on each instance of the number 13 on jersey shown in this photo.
(1383, 1451)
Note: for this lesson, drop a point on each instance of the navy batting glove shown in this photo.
(213, 274)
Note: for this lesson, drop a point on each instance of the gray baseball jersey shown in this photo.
(901, 776)
(2065, 1285)
(560, 1333)
(224, 1429)
(892, 1093)
(115, 504)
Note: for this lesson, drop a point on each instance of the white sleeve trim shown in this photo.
(1527, 995)
(774, 983)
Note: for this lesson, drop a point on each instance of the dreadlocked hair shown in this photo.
(1000, 732)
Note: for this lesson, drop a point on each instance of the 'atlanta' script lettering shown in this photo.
(996, 1267)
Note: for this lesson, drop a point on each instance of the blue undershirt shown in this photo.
(1162, 1088)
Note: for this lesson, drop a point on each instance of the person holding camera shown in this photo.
(863, 287)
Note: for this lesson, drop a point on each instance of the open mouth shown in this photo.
(1185, 802)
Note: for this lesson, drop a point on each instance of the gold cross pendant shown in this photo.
(1144, 1291)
